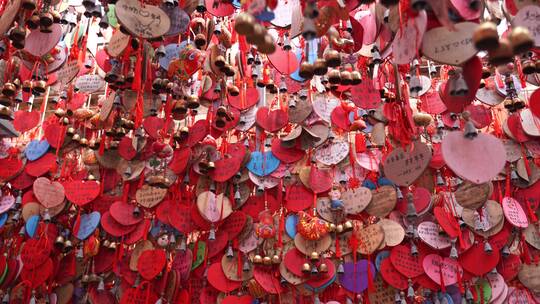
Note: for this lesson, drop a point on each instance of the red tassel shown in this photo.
(360, 143)
(102, 144)
(77, 223)
(371, 286)
(139, 109)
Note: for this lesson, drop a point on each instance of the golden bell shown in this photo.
(348, 225)
(306, 70)
(200, 40)
(70, 131)
(314, 256)
(267, 260)
(112, 245)
(422, 119)
(106, 243)
(334, 77)
(333, 59)
(323, 268)
(68, 246)
(192, 102)
(346, 78)
(85, 278)
(268, 46)
(60, 112)
(276, 259)
(28, 5)
(91, 177)
(258, 36)
(332, 227)
(219, 61)
(9, 89)
(356, 78)
(6, 113)
(38, 86)
(319, 67)
(33, 22)
(528, 67)
(485, 37)
(257, 259)
(339, 228)
(83, 142)
(521, 40)
(46, 19)
(59, 241)
(233, 90)
(503, 54)
(76, 137)
(17, 34)
(306, 268)
(5, 101)
(243, 24)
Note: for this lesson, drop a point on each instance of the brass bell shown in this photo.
(200, 40)
(339, 228)
(323, 268)
(319, 67)
(68, 246)
(59, 241)
(233, 90)
(268, 46)
(219, 61)
(346, 78)
(64, 121)
(258, 36)
(46, 19)
(314, 256)
(257, 259)
(332, 58)
(486, 37)
(6, 113)
(520, 39)
(112, 245)
(486, 72)
(28, 5)
(267, 260)
(106, 243)
(9, 89)
(5, 101)
(306, 268)
(276, 259)
(33, 22)
(334, 77)
(243, 24)
(76, 137)
(332, 227)
(38, 86)
(17, 33)
(60, 112)
(503, 54)
(83, 142)
(192, 102)
(348, 225)
(306, 70)
(528, 67)
(356, 78)
(85, 278)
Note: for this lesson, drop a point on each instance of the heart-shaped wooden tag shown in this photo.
(403, 167)
(478, 159)
(392, 276)
(272, 120)
(514, 213)
(212, 207)
(25, 120)
(404, 262)
(146, 21)
(429, 233)
(149, 196)
(370, 238)
(49, 194)
(450, 47)
(382, 202)
(469, 260)
(442, 270)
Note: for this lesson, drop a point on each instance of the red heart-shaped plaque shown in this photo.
(404, 262)
(41, 166)
(469, 260)
(151, 262)
(9, 167)
(272, 120)
(81, 192)
(442, 270)
(54, 133)
(49, 194)
(25, 120)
